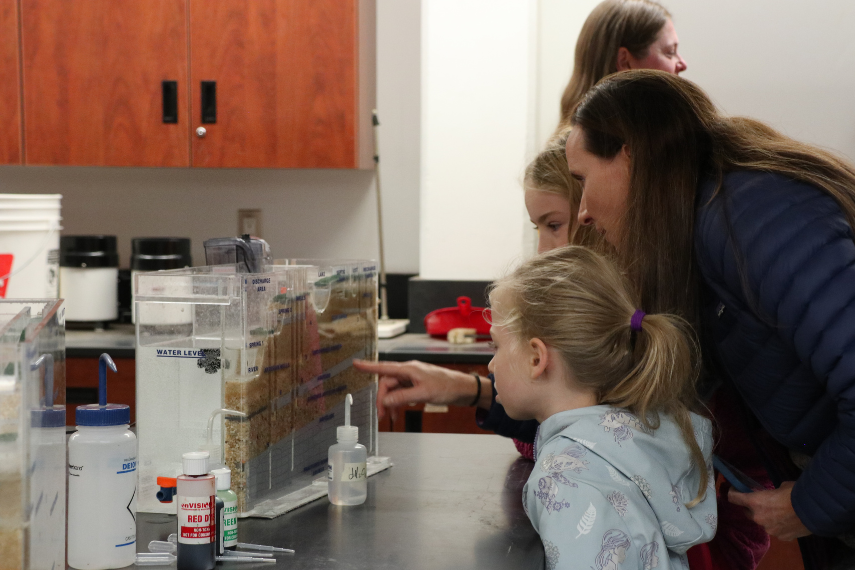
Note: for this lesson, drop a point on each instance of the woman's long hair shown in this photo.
(676, 139)
(613, 24)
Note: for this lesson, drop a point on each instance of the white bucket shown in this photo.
(29, 245)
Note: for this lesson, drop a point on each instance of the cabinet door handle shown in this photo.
(170, 101)
(209, 102)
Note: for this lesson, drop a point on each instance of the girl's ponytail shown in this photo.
(665, 354)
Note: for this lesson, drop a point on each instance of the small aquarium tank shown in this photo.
(32, 434)
(274, 343)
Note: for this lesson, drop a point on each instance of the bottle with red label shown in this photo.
(197, 537)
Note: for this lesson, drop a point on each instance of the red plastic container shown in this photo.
(464, 315)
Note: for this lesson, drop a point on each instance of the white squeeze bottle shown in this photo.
(102, 483)
(346, 467)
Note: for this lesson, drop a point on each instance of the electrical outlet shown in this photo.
(249, 222)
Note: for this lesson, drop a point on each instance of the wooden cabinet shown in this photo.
(287, 76)
(93, 73)
(287, 83)
(10, 87)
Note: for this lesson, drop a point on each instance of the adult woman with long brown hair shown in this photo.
(619, 35)
(747, 234)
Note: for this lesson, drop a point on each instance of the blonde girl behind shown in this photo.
(552, 198)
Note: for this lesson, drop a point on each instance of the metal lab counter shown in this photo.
(449, 501)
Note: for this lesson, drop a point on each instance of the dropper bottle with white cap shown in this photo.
(228, 527)
(197, 538)
(347, 465)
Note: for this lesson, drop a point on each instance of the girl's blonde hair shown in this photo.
(548, 172)
(577, 302)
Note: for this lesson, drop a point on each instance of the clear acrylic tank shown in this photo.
(32, 434)
(276, 345)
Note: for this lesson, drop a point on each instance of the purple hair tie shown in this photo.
(635, 321)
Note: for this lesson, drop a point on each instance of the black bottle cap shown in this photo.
(156, 253)
(88, 251)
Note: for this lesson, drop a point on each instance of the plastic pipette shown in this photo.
(245, 559)
(246, 546)
(161, 546)
(154, 559)
(174, 537)
(258, 554)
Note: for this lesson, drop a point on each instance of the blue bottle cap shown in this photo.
(108, 415)
(102, 413)
(48, 417)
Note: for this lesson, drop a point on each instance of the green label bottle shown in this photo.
(224, 492)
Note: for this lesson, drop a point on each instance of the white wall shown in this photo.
(786, 62)
(559, 22)
(399, 108)
(478, 68)
(306, 213)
